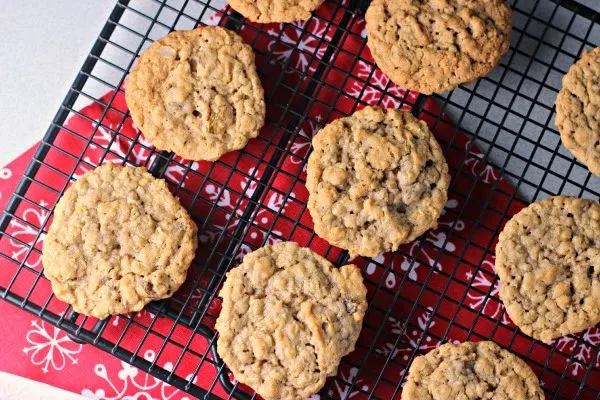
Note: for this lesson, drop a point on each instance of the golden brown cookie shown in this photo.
(471, 371)
(266, 11)
(288, 317)
(196, 93)
(548, 260)
(376, 179)
(119, 239)
(435, 45)
(578, 110)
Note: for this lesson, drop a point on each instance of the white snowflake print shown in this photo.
(417, 339)
(343, 391)
(390, 279)
(480, 300)
(133, 384)
(50, 347)
(378, 89)
(26, 235)
(457, 224)
(138, 155)
(299, 149)
(439, 240)
(478, 167)
(262, 216)
(301, 42)
(582, 352)
(311, 127)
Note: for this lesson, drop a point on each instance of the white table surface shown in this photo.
(18, 388)
(43, 46)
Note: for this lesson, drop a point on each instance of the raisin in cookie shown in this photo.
(196, 93)
(376, 179)
(288, 317)
(119, 240)
(266, 11)
(471, 371)
(548, 260)
(578, 110)
(433, 46)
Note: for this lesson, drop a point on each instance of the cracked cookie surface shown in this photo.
(548, 261)
(119, 239)
(376, 179)
(288, 317)
(196, 93)
(265, 11)
(435, 45)
(578, 110)
(471, 371)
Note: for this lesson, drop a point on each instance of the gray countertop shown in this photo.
(44, 44)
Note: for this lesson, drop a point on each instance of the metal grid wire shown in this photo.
(508, 114)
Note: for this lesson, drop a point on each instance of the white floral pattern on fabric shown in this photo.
(343, 391)
(119, 149)
(133, 384)
(236, 206)
(412, 338)
(26, 236)
(373, 91)
(584, 351)
(478, 166)
(486, 298)
(50, 347)
(300, 43)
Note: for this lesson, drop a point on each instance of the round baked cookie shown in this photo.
(119, 239)
(376, 179)
(471, 371)
(266, 11)
(548, 260)
(196, 93)
(433, 46)
(288, 317)
(578, 110)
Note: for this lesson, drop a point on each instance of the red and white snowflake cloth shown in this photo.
(453, 263)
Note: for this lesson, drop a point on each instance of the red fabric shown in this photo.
(36, 350)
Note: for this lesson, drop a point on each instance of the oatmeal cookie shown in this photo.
(196, 93)
(578, 110)
(433, 46)
(266, 11)
(376, 179)
(471, 371)
(548, 260)
(119, 240)
(288, 317)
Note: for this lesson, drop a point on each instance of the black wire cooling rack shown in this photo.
(509, 115)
